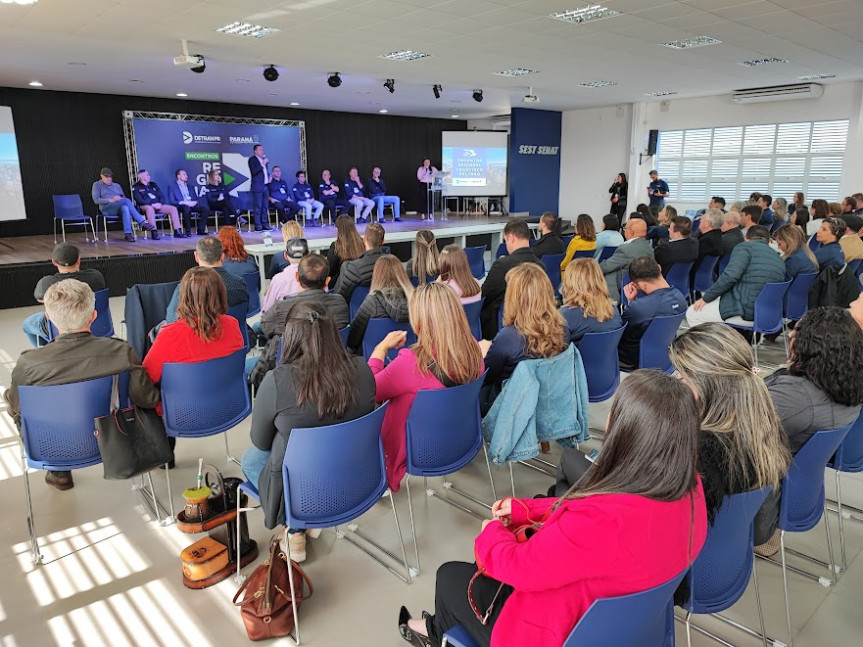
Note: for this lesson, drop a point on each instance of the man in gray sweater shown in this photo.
(112, 202)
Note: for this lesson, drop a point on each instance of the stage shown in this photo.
(24, 260)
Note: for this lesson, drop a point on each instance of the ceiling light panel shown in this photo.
(404, 55)
(516, 71)
(695, 41)
(585, 13)
(247, 29)
(597, 84)
(816, 77)
(660, 93)
(755, 62)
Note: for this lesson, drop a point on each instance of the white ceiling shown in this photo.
(127, 48)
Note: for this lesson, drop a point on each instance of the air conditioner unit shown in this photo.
(501, 123)
(779, 93)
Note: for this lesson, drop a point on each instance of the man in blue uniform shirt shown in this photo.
(328, 192)
(657, 190)
(280, 196)
(218, 198)
(148, 196)
(355, 192)
(378, 193)
(304, 195)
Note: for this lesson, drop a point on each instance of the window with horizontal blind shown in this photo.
(733, 162)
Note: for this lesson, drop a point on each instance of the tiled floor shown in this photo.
(112, 576)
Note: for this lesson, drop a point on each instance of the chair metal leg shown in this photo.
(230, 456)
(688, 629)
(758, 605)
(31, 524)
(291, 582)
(785, 336)
(413, 525)
(170, 495)
(512, 480)
(785, 588)
(841, 520)
(834, 568)
(55, 231)
(490, 477)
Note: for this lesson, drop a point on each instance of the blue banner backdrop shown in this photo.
(163, 145)
(534, 160)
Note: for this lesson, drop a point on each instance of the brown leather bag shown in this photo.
(266, 607)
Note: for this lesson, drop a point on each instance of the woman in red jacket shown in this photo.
(634, 521)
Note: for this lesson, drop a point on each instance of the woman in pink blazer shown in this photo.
(635, 520)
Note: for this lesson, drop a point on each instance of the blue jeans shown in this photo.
(251, 362)
(126, 210)
(34, 328)
(253, 463)
(381, 200)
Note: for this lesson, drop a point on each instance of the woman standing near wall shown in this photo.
(618, 192)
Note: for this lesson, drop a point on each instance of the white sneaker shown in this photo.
(297, 546)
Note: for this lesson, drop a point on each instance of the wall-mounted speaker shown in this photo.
(652, 142)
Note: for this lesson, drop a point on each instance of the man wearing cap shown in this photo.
(111, 201)
(148, 196)
(67, 259)
(284, 284)
(850, 243)
(182, 197)
(657, 190)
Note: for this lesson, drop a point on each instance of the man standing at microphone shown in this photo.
(258, 164)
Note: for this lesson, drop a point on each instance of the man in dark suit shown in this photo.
(710, 234)
(516, 236)
(258, 170)
(680, 248)
(182, 196)
(550, 241)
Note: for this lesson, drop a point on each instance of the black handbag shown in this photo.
(132, 441)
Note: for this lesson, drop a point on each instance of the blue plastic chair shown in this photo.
(253, 285)
(848, 458)
(415, 281)
(103, 326)
(444, 434)
(343, 335)
(606, 253)
(567, 240)
(238, 312)
(678, 277)
(69, 210)
(357, 297)
(57, 430)
(854, 266)
(653, 347)
(644, 619)
(379, 328)
(720, 574)
(476, 260)
(704, 274)
(472, 312)
(801, 505)
(584, 253)
(624, 281)
(769, 313)
(723, 262)
(501, 251)
(797, 301)
(813, 243)
(552, 269)
(601, 366)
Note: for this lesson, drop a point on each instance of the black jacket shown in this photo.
(710, 244)
(834, 287)
(388, 303)
(548, 244)
(684, 250)
(357, 272)
(494, 287)
(730, 239)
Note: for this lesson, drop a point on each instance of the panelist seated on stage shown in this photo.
(111, 201)
(148, 196)
(329, 194)
(218, 198)
(378, 193)
(355, 192)
(280, 197)
(304, 195)
(182, 196)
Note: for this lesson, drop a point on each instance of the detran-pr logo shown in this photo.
(187, 137)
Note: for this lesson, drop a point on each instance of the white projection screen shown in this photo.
(475, 163)
(11, 190)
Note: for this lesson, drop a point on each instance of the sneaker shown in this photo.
(154, 235)
(146, 226)
(129, 238)
(60, 480)
(297, 546)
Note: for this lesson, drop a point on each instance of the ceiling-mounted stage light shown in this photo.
(390, 84)
(477, 95)
(271, 73)
(335, 80)
(437, 90)
(199, 69)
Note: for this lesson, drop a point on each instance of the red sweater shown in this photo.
(177, 343)
(601, 546)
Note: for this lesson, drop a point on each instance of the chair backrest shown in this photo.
(720, 573)
(244, 198)
(637, 619)
(567, 240)
(813, 243)
(238, 312)
(653, 348)
(379, 328)
(415, 281)
(444, 429)
(334, 474)
(472, 311)
(253, 285)
(624, 281)
(797, 297)
(68, 207)
(723, 262)
(343, 335)
(854, 265)
(606, 253)
(704, 273)
(599, 354)
(501, 251)
(849, 456)
(357, 297)
(802, 501)
(476, 260)
(552, 269)
(770, 307)
(776, 225)
(102, 326)
(205, 398)
(678, 277)
(57, 421)
(584, 253)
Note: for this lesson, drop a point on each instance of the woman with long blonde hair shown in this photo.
(426, 264)
(290, 229)
(586, 304)
(455, 272)
(347, 246)
(798, 258)
(387, 299)
(444, 355)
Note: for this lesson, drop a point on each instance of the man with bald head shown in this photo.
(636, 245)
(732, 234)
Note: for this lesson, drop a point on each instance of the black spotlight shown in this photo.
(335, 80)
(199, 69)
(271, 73)
(436, 89)
(390, 84)
(477, 95)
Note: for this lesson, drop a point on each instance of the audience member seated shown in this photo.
(710, 234)
(799, 202)
(317, 384)
(280, 197)
(657, 226)
(183, 197)
(66, 257)
(455, 272)
(850, 242)
(817, 213)
(425, 266)
(636, 245)
(359, 270)
(859, 199)
(75, 356)
(218, 199)
(347, 246)
(830, 253)
(355, 193)
(516, 237)
(732, 234)
(849, 205)
(741, 446)
(387, 299)
(284, 284)
(446, 354)
(328, 192)
(634, 521)
(821, 388)
(649, 296)
(236, 259)
(752, 266)
(835, 208)
(750, 215)
(798, 258)
(764, 201)
(680, 248)
(587, 305)
(111, 201)
(209, 253)
(378, 193)
(290, 229)
(148, 197)
(533, 328)
(780, 210)
(586, 238)
(609, 236)
(549, 241)
(800, 218)
(304, 196)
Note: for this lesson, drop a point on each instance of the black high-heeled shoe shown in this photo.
(408, 634)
